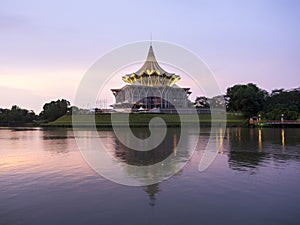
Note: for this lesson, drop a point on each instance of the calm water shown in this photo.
(255, 179)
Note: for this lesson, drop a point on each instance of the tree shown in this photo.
(248, 99)
(16, 116)
(283, 102)
(54, 110)
(201, 102)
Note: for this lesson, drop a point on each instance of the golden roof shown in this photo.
(151, 73)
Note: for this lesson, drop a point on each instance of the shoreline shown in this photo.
(142, 120)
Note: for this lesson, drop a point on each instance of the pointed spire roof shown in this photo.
(151, 56)
(151, 65)
(151, 68)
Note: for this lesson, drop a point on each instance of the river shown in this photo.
(255, 179)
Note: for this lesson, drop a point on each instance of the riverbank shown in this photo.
(276, 123)
(142, 120)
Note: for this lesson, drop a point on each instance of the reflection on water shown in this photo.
(259, 140)
(220, 141)
(133, 157)
(56, 140)
(283, 140)
(271, 145)
(152, 190)
(44, 180)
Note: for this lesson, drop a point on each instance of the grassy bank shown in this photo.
(142, 120)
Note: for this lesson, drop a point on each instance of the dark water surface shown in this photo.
(255, 179)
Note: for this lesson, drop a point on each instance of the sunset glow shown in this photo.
(46, 47)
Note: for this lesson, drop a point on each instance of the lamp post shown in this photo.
(259, 117)
(282, 115)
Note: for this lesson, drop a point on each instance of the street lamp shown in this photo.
(282, 115)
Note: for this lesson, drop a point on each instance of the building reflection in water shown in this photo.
(141, 159)
(152, 190)
(242, 150)
(144, 158)
(243, 146)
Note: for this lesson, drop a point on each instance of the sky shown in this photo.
(47, 46)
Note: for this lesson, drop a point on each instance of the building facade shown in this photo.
(150, 88)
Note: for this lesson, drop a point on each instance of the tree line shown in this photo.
(254, 101)
(251, 101)
(247, 99)
(17, 116)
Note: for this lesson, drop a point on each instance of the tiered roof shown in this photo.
(151, 74)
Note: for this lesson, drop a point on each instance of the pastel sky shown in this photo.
(46, 46)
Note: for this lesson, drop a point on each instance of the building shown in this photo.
(151, 88)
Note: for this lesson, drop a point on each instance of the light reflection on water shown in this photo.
(44, 180)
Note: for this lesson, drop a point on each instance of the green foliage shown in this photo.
(54, 109)
(201, 102)
(291, 115)
(283, 102)
(252, 101)
(248, 99)
(16, 116)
